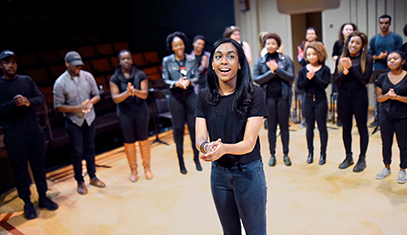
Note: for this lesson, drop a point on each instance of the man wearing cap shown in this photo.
(75, 93)
(23, 137)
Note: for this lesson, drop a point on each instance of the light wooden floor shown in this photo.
(302, 199)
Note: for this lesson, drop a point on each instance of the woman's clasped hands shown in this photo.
(214, 150)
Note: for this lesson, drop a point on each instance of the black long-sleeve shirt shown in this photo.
(355, 81)
(18, 120)
(317, 84)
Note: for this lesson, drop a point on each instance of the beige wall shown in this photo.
(264, 16)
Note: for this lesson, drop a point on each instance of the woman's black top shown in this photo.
(337, 49)
(393, 108)
(318, 84)
(355, 81)
(274, 87)
(223, 123)
(132, 105)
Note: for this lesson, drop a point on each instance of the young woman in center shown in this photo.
(229, 114)
(353, 74)
(314, 78)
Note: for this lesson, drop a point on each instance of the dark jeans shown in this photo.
(29, 147)
(240, 193)
(278, 113)
(82, 139)
(316, 111)
(388, 127)
(349, 105)
(183, 111)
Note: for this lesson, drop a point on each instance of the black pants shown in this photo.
(388, 127)
(20, 149)
(316, 110)
(82, 139)
(278, 113)
(182, 112)
(349, 105)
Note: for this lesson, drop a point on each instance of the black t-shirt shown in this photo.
(132, 105)
(274, 86)
(223, 123)
(394, 109)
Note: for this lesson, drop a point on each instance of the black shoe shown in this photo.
(47, 203)
(272, 161)
(360, 165)
(29, 211)
(287, 160)
(346, 163)
(198, 166)
(310, 158)
(322, 159)
(339, 123)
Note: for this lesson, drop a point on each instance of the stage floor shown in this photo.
(302, 199)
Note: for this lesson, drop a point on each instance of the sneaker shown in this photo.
(383, 174)
(401, 177)
(302, 123)
(47, 203)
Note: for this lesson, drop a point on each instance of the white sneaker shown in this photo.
(383, 174)
(401, 177)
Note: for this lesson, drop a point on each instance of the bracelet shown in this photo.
(202, 147)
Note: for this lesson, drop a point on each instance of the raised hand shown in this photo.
(204, 61)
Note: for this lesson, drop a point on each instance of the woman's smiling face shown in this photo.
(226, 62)
(395, 61)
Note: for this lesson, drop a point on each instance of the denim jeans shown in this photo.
(82, 141)
(240, 193)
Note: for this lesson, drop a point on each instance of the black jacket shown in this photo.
(285, 71)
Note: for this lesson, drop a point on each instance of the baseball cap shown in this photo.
(73, 58)
(7, 53)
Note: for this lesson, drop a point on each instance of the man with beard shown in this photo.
(23, 137)
(75, 93)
